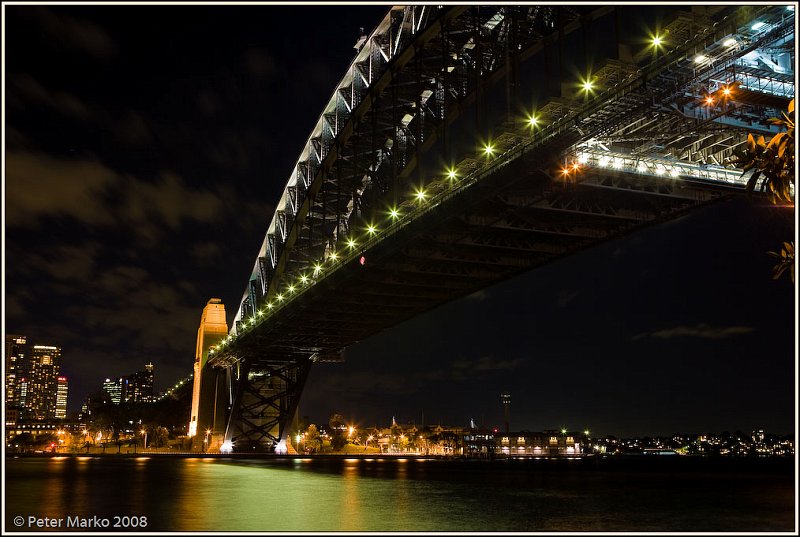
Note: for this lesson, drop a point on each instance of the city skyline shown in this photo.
(175, 156)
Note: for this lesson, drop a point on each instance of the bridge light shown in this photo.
(657, 40)
(758, 25)
(279, 297)
(709, 100)
(488, 149)
(565, 171)
(303, 278)
(351, 243)
(420, 194)
(317, 269)
(332, 256)
(726, 91)
(700, 58)
(371, 229)
(393, 213)
(563, 431)
(291, 288)
(587, 85)
(270, 305)
(729, 42)
(451, 173)
(533, 120)
(260, 313)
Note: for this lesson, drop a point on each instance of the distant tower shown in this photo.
(16, 350)
(42, 387)
(61, 398)
(213, 328)
(506, 399)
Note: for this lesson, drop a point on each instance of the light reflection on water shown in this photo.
(405, 495)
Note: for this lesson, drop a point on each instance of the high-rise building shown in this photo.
(134, 388)
(16, 350)
(113, 387)
(506, 399)
(61, 398)
(42, 382)
(138, 387)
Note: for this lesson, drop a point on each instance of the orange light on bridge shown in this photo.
(709, 100)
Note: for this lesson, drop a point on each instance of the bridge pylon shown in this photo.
(211, 385)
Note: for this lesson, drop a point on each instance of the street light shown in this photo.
(144, 433)
(205, 442)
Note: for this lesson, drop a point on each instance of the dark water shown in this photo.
(632, 494)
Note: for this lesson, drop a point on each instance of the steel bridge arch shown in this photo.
(399, 39)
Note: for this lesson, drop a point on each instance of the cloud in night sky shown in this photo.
(699, 331)
(77, 33)
(40, 185)
(26, 91)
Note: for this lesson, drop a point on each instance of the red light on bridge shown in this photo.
(362, 260)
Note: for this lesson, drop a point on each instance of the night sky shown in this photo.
(146, 147)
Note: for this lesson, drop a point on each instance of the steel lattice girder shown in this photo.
(266, 398)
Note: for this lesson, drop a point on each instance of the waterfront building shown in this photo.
(41, 383)
(15, 352)
(549, 443)
(61, 398)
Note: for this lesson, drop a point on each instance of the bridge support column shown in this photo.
(265, 400)
(212, 410)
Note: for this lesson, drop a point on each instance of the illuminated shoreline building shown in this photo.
(16, 350)
(62, 392)
(41, 383)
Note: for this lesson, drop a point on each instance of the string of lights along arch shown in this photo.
(460, 149)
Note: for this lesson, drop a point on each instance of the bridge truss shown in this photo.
(371, 231)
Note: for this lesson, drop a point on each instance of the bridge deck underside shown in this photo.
(452, 252)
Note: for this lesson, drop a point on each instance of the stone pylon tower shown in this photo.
(207, 420)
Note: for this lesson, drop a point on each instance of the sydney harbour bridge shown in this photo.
(457, 151)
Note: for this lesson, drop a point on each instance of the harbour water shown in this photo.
(647, 493)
